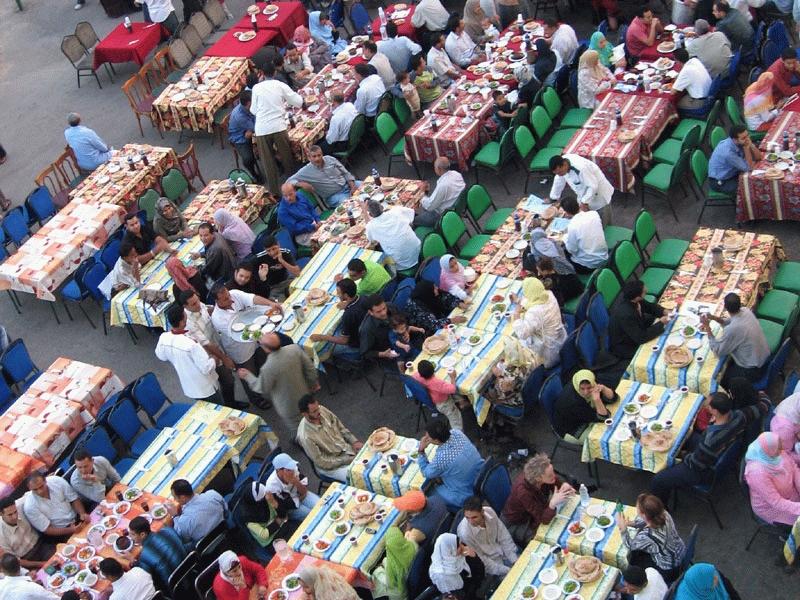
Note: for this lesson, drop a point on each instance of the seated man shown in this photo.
(328, 443)
(53, 507)
(326, 176)
(482, 530)
(281, 263)
(562, 38)
(374, 330)
(643, 584)
(346, 339)
(727, 426)
(369, 275)
(735, 26)
(585, 242)
(440, 62)
(425, 513)
(17, 537)
(93, 476)
(692, 79)
(90, 151)
(194, 516)
(381, 63)
(342, 117)
(250, 280)
(742, 340)
(14, 584)
(459, 46)
(241, 125)
(297, 214)
(219, 257)
(286, 488)
(142, 237)
(370, 90)
(643, 31)
(444, 196)
(392, 230)
(425, 80)
(297, 66)
(634, 321)
(733, 155)
(586, 179)
(135, 584)
(161, 552)
(430, 15)
(398, 48)
(785, 71)
(125, 274)
(711, 47)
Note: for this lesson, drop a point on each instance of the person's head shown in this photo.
(426, 369)
(111, 569)
(403, 77)
(362, 71)
(133, 224)
(682, 55)
(8, 510)
(438, 430)
(559, 165)
(206, 233)
(738, 133)
(288, 193)
(230, 566)
(127, 252)
(719, 407)
(645, 13)
(570, 206)
(412, 502)
(441, 165)
(9, 564)
(272, 247)
(544, 266)
(550, 26)
(789, 58)
(309, 408)
(635, 580)
(190, 301)
(377, 307)
(325, 19)
(176, 317)
(538, 470)
(73, 595)
(733, 304)
(337, 98)
(652, 510)
(245, 98)
(292, 53)
(391, 29)
(182, 491)
(252, 79)
(374, 208)
(356, 269)
(84, 463)
(453, 265)
(277, 60)
(418, 63)
(473, 511)
(369, 49)
(269, 70)
(399, 324)
(701, 27)
(346, 289)
(284, 466)
(73, 119)
(499, 97)
(633, 290)
(38, 484)
(243, 273)
(721, 9)
(166, 208)
(221, 295)
(455, 24)
(270, 342)
(315, 156)
(139, 528)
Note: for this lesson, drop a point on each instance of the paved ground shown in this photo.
(37, 90)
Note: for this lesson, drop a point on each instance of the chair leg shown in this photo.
(389, 170)
(139, 121)
(55, 314)
(714, 512)
(105, 329)
(131, 333)
(85, 314)
(66, 308)
(97, 79)
(527, 179)
(108, 72)
(416, 168)
(14, 302)
(752, 539)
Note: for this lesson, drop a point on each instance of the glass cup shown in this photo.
(282, 549)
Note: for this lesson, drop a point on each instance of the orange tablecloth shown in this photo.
(217, 194)
(277, 569)
(14, 469)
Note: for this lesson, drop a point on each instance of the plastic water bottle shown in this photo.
(520, 23)
(384, 36)
(583, 492)
(785, 140)
(128, 25)
(254, 22)
(382, 16)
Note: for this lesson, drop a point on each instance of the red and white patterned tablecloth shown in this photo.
(455, 139)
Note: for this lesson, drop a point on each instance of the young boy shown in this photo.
(503, 112)
(440, 392)
(402, 341)
(489, 30)
(410, 93)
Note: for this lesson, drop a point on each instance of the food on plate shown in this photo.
(576, 528)
(497, 298)
(279, 595)
(570, 586)
(291, 582)
(86, 553)
(159, 511)
(643, 399)
(604, 520)
(120, 508)
(474, 339)
(335, 514)
(341, 528)
(131, 494)
(656, 427)
(57, 580)
(68, 550)
(321, 545)
(70, 569)
(123, 544)
(631, 409)
(499, 307)
(689, 331)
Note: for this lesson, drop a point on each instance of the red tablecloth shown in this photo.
(404, 28)
(119, 46)
(597, 142)
(228, 45)
(290, 16)
(455, 140)
(762, 198)
(659, 93)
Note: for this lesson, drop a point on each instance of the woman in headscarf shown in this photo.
(786, 424)
(451, 277)
(540, 328)
(547, 63)
(605, 52)
(390, 576)
(759, 102)
(322, 28)
(581, 404)
(429, 306)
(455, 567)
(319, 53)
(185, 277)
(169, 223)
(773, 479)
(473, 17)
(546, 258)
(593, 79)
(702, 582)
(237, 233)
(237, 576)
(322, 583)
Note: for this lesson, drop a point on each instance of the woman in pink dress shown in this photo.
(774, 480)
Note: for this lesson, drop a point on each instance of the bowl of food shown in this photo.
(278, 594)
(528, 592)
(656, 427)
(336, 514)
(631, 409)
(111, 539)
(86, 577)
(570, 586)
(474, 339)
(499, 307)
(341, 529)
(56, 580)
(576, 528)
(123, 544)
(68, 550)
(86, 553)
(772, 157)
(688, 331)
(321, 545)
(604, 521)
(70, 568)
(643, 399)
(120, 508)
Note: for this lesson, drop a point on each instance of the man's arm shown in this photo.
(431, 202)
(96, 142)
(558, 187)
(639, 336)
(204, 362)
(316, 456)
(261, 301)
(309, 372)
(413, 47)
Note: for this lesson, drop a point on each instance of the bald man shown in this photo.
(90, 151)
(444, 196)
(297, 214)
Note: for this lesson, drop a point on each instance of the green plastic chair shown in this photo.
(453, 228)
(525, 143)
(521, 118)
(574, 117)
(386, 128)
(174, 185)
(788, 277)
(541, 123)
(700, 175)
(614, 234)
(773, 332)
(608, 285)
(147, 202)
(401, 111)
(779, 306)
(717, 135)
(663, 178)
(495, 155)
(357, 129)
(433, 245)
(705, 126)
(668, 253)
(237, 174)
(669, 151)
(627, 260)
(478, 202)
(735, 117)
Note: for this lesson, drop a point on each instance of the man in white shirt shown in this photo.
(440, 63)
(392, 230)
(16, 586)
(160, 11)
(460, 47)
(342, 117)
(270, 98)
(643, 584)
(587, 181)
(196, 368)
(380, 62)
(136, 584)
(444, 196)
(693, 79)
(398, 48)
(483, 531)
(369, 92)
(287, 483)
(92, 476)
(431, 15)
(243, 354)
(53, 507)
(585, 242)
(17, 537)
(562, 38)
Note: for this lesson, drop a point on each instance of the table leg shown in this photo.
(19, 4)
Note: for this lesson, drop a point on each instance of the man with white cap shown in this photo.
(586, 180)
(287, 486)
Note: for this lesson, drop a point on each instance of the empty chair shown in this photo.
(126, 424)
(215, 13)
(18, 366)
(41, 204)
(140, 100)
(190, 167)
(72, 48)
(201, 23)
(192, 39)
(16, 227)
(147, 393)
(181, 55)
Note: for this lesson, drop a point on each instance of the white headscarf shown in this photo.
(789, 408)
(226, 561)
(447, 564)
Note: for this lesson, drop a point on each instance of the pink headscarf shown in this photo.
(237, 233)
(302, 38)
(180, 273)
(447, 279)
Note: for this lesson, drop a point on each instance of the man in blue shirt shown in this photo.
(241, 125)
(297, 214)
(161, 553)
(733, 155)
(90, 151)
(196, 514)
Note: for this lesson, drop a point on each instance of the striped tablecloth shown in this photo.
(611, 549)
(648, 364)
(672, 405)
(534, 559)
(480, 312)
(368, 549)
(598, 142)
(126, 307)
(217, 194)
(473, 370)
(322, 319)
(744, 270)
(455, 139)
(370, 470)
(56, 250)
(204, 418)
(331, 260)
(199, 460)
(791, 545)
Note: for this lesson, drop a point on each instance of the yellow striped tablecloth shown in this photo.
(534, 559)
(204, 418)
(480, 311)
(672, 405)
(610, 549)
(318, 525)
(199, 460)
(792, 543)
(370, 470)
(322, 319)
(329, 261)
(700, 376)
(127, 308)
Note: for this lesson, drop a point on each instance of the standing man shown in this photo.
(392, 230)
(160, 11)
(585, 242)
(329, 444)
(270, 98)
(370, 90)
(586, 180)
(53, 507)
(733, 155)
(90, 151)
(444, 196)
(241, 125)
(17, 537)
(380, 62)
(326, 176)
(93, 476)
(342, 117)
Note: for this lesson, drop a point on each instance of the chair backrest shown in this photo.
(98, 443)
(205, 580)
(80, 273)
(733, 68)
(573, 84)
(552, 103)
(385, 127)
(174, 184)
(403, 292)
(792, 379)
(215, 13)
(569, 360)
(540, 121)
(732, 108)
(418, 579)
(7, 396)
(699, 167)
(778, 361)
(237, 174)
(86, 34)
(124, 420)
(285, 240)
(41, 204)
(680, 168)
(521, 118)
(177, 583)
(626, 259)
(602, 26)
(717, 135)
(357, 129)
(73, 49)
(68, 165)
(507, 146)
(147, 393)
(587, 344)
(777, 33)
(433, 246)
(136, 91)
(181, 55)
(692, 139)
(416, 391)
(162, 62)
(192, 39)
(359, 17)
(495, 487)
(754, 74)
(52, 178)
(691, 544)
(478, 201)
(147, 202)
(644, 229)
(548, 395)
(399, 105)
(429, 270)
(92, 279)
(598, 316)
(712, 118)
(16, 227)
(109, 254)
(213, 539)
(452, 228)
(608, 285)
(201, 23)
(190, 167)
(524, 141)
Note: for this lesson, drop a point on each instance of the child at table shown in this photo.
(403, 341)
(503, 111)
(490, 32)
(410, 93)
(441, 392)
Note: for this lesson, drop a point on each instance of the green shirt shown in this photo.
(427, 94)
(373, 281)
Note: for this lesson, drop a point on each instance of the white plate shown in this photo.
(474, 343)
(155, 508)
(782, 166)
(642, 66)
(89, 578)
(464, 349)
(786, 155)
(595, 510)
(502, 284)
(595, 534)
(548, 575)
(573, 591)
(178, 97)
(634, 409)
(551, 592)
(690, 319)
(649, 411)
(237, 327)
(610, 523)
(622, 434)
(448, 362)
(520, 244)
(183, 85)
(694, 343)
(211, 74)
(474, 89)
(103, 180)
(260, 320)
(113, 168)
(347, 526)
(670, 27)
(513, 253)
(276, 318)
(674, 340)
(268, 328)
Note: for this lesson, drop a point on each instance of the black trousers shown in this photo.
(677, 476)
(245, 152)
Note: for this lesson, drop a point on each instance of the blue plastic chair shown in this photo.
(597, 314)
(430, 270)
(75, 290)
(548, 395)
(769, 53)
(109, 254)
(360, 18)
(418, 581)
(18, 366)
(792, 380)
(403, 293)
(7, 396)
(733, 71)
(702, 111)
(336, 13)
(124, 421)
(568, 357)
(725, 464)
(147, 393)
(97, 442)
(587, 344)
(691, 545)
(778, 35)
(418, 393)
(16, 227)
(258, 244)
(775, 367)
(602, 27)
(11, 293)
(41, 204)
(495, 487)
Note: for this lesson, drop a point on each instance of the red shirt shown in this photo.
(439, 389)
(781, 81)
(636, 38)
(254, 574)
(530, 504)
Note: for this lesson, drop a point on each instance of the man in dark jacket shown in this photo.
(634, 321)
